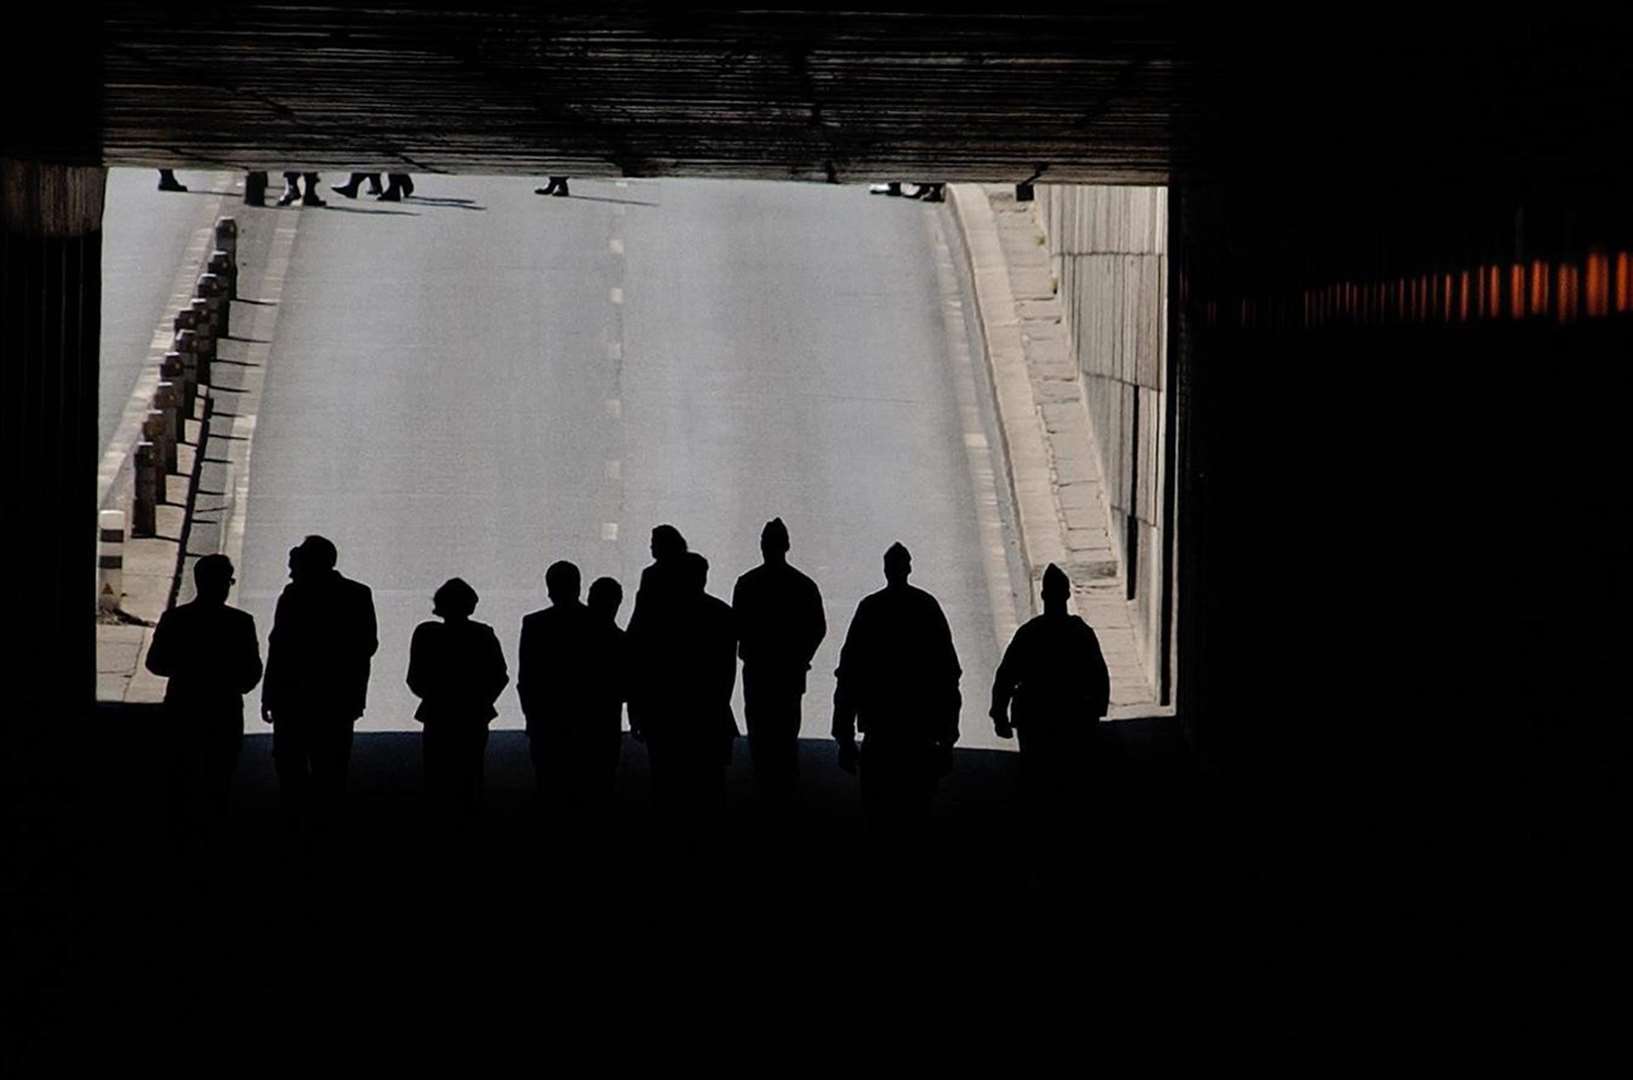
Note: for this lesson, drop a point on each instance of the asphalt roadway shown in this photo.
(480, 381)
(145, 235)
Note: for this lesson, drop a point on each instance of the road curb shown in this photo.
(1020, 422)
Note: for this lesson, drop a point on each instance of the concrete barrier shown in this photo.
(174, 370)
(213, 290)
(221, 265)
(167, 400)
(145, 506)
(110, 560)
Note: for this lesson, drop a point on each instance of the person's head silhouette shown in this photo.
(774, 541)
(561, 581)
(694, 572)
(212, 577)
(311, 558)
(605, 596)
(667, 542)
(898, 564)
(454, 601)
(1057, 589)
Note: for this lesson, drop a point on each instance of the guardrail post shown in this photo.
(204, 340)
(153, 431)
(174, 370)
(145, 507)
(221, 265)
(214, 291)
(168, 402)
(110, 560)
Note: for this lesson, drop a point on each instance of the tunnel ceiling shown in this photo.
(1100, 92)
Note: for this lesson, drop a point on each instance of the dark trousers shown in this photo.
(771, 709)
(575, 768)
(898, 782)
(312, 753)
(453, 752)
(204, 756)
(688, 774)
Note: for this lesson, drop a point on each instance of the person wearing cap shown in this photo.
(1052, 688)
(457, 670)
(656, 598)
(897, 683)
(317, 677)
(212, 657)
(780, 623)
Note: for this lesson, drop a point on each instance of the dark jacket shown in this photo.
(323, 635)
(570, 671)
(898, 672)
(780, 623)
(683, 668)
(210, 654)
(457, 670)
(1055, 674)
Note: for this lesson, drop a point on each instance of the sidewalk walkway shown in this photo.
(1054, 465)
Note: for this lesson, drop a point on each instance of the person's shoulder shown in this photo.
(238, 615)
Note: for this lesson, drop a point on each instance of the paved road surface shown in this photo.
(480, 381)
(145, 233)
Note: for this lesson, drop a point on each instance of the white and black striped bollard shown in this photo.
(110, 560)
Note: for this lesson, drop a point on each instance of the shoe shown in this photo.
(312, 200)
(561, 189)
(374, 187)
(932, 193)
(885, 189)
(389, 195)
(348, 190)
(408, 186)
(289, 196)
(544, 191)
(168, 182)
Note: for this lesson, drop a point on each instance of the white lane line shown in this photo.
(617, 295)
(129, 431)
(615, 469)
(615, 350)
(616, 246)
(978, 452)
(609, 532)
(249, 400)
(615, 408)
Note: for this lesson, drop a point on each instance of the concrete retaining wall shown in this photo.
(1109, 251)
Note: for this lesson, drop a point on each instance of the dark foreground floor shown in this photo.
(1173, 895)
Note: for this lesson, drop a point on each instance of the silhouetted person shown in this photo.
(569, 677)
(655, 596)
(317, 677)
(168, 181)
(349, 188)
(684, 668)
(1052, 687)
(556, 186)
(898, 683)
(780, 623)
(212, 657)
(457, 670)
(292, 189)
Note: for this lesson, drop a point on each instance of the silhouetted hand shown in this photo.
(848, 756)
(1002, 726)
(266, 715)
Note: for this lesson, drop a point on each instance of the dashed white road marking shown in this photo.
(616, 246)
(617, 295)
(615, 408)
(609, 531)
(615, 469)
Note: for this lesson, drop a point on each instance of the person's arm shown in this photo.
(499, 671)
(161, 658)
(250, 650)
(1003, 688)
(368, 636)
(272, 677)
(846, 678)
(1099, 677)
(420, 680)
(816, 623)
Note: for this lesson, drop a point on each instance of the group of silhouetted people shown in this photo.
(673, 669)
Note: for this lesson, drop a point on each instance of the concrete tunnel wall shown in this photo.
(1108, 246)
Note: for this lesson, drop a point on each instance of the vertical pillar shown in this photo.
(50, 321)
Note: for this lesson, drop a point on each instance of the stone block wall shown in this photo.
(1108, 247)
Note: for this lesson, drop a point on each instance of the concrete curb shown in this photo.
(1020, 422)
